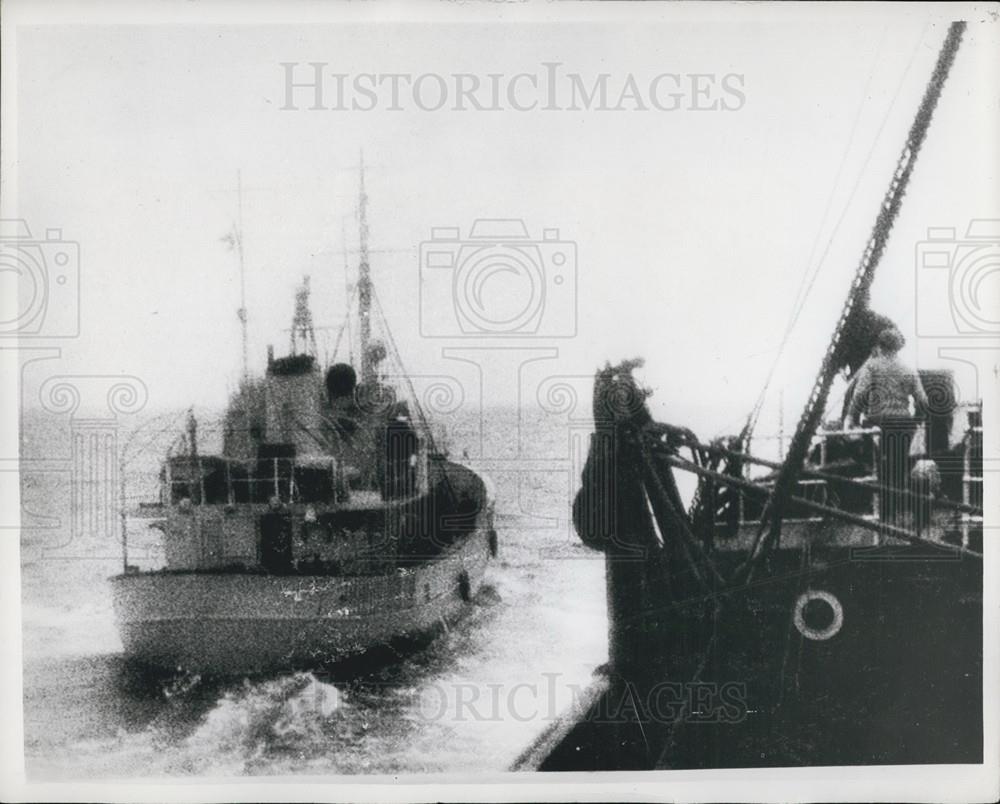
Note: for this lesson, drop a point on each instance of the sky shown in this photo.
(690, 231)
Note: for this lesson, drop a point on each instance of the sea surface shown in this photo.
(470, 701)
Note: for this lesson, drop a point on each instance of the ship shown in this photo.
(778, 616)
(330, 527)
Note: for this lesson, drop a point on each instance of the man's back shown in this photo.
(884, 387)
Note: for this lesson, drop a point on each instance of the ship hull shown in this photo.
(886, 670)
(838, 641)
(226, 623)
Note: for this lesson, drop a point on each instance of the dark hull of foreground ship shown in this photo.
(890, 674)
(846, 641)
(239, 622)
(782, 619)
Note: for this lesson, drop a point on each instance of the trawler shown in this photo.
(329, 526)
(779, 617)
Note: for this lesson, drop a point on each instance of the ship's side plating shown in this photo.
(245, 621)
(230, 600)
(328, 524)
(846, 644)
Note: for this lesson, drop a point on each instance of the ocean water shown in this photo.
(469, 701)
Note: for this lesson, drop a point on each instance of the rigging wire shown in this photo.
(805, 287)
(771, 518)
(174, 418)
(350, 295)
(809, 279)
(346, 325)
(397, 358)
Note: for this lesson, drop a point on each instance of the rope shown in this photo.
(343, 326)
(671, 740)
(891, 204)
(174, 419)
(800, 295)
(402, 370)
(693, 550)
(421, 417)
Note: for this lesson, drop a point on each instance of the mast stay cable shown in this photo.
(809, 279)
(770, 526)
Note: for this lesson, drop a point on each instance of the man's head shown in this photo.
(890, 341)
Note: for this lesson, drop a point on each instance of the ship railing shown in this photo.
(972, 481)
(816, 490)
(821, 439)
(283, 479)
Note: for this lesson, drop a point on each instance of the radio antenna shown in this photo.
(242, 312)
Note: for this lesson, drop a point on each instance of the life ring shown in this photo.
(818, 634)
(464, 586)
(494, 543)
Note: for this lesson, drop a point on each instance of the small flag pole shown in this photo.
(242, 312)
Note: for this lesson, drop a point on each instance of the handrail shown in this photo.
(854, 519)
(273, 479)
(967, 480)
(963, 507)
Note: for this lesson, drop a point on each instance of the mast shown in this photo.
(348, 297)
(242, 312)
(364, 285)
(833, 359)
(302, 323)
